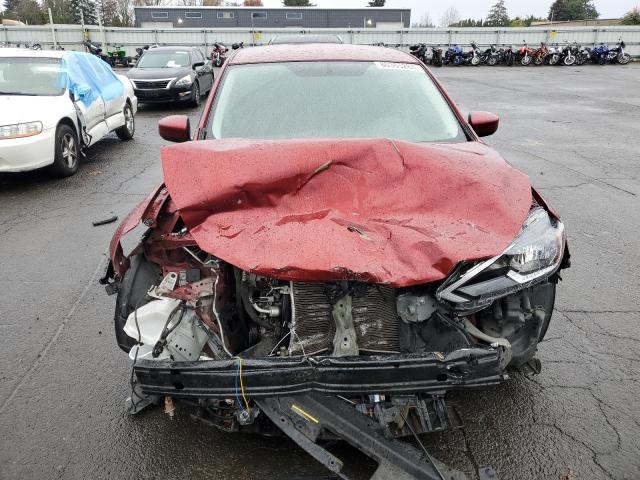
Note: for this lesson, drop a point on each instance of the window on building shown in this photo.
(192, 14)
(259, 15)
(225, 15)
(294, 16)
(159, 14)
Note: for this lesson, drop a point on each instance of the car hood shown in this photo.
(157, 73)
(30, 108)
(371, 210)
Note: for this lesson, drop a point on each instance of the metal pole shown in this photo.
(53, 30)
(104, 36)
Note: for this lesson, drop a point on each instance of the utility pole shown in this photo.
(53, 30)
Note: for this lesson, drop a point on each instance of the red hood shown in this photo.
(372, 210)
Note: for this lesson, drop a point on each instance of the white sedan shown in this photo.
(54, 104)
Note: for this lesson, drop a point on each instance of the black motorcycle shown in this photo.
(490, 56)
(94, 49)
(506, 56)
(237, 46)
(436, 56)
(618, 55)
(419, 51)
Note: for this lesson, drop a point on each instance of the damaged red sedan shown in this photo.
(333, 249)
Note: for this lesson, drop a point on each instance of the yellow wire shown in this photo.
(244, 397)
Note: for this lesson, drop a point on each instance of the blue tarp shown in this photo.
(86, 70)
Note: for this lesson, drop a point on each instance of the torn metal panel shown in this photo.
(370, 210)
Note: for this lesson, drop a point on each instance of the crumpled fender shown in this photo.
(372, 210)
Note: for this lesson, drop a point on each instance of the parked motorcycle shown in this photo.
(540, 54)
(218, 54)
(436, 56)
(472, 57)
(583, 56)
(94, 49)
(490, 56)
(507, 56)
(553, 55)
(569, 54)
(524, 54)
(419, 51)
(618, 55)
(453, 56)
(600, 54)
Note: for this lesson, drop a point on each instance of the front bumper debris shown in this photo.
(264, 378)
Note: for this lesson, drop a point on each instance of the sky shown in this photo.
(474, 8)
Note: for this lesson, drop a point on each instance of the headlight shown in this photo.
(184, 81)
(534, 255)
(20, 130)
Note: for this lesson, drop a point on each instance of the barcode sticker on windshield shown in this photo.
(397, 66)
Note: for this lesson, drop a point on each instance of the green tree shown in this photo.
(60, 10)
(632, 17)
(572, 10)
(27, 11)
(298, 3)
(377, 3)
(498, 16)
(83, 9)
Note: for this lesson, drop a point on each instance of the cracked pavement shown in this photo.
(63, 380)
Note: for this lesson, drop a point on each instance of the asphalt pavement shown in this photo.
(63, 381)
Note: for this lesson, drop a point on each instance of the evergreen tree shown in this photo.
(572, 10)
(86, 8)
(632, 17)
(498, 16)
(297, 3)
(377, 3)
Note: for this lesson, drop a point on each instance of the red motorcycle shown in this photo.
(218, 54)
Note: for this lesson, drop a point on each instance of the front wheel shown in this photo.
(526, 60)
(67, 152)
(624, 58)
(475, 61)
(126, 131)
(195, 95)
(492, 61)
(569, 60)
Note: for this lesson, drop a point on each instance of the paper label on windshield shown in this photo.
(397, 66)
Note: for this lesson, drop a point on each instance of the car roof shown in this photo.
(170, 48)
(305, 38)
(319, 52)
(27, 52)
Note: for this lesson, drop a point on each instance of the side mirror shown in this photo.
(484, 123)
(83, 90)
(198, 64)
(175, 128)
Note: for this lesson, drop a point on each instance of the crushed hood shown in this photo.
(370, 210)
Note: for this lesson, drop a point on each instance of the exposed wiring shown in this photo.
(244, 397)
(278, 344)
(217, 315)
(237, 394)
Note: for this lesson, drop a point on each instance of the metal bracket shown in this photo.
(345, 341)
(303, 417)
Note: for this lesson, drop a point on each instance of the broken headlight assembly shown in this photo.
(534, 255)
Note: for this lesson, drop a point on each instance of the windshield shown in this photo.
(164, 60)
(332, 100)
(31, 76)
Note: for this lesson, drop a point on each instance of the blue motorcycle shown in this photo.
(600, 53)
(453, 56)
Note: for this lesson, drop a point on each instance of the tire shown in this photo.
(492, 61)
(526, 60)
(475, 61)
(67, 152)
(602, 60)
(539, 60)
(569, 60)
(195, 95)
(624, 58)
(126, 131)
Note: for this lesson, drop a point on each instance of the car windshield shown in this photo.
(31, 76)
(332, 100)
(164, 59)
